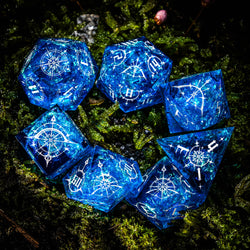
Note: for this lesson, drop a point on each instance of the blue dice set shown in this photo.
(59, 73)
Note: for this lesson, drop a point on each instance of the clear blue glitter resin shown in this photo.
(102, 179)
(58, 71)
(164, 193)
(132, 72)
(198, 155)
(195, 102)
(54, 142)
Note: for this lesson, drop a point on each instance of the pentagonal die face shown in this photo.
(58, 71)
(132, 72)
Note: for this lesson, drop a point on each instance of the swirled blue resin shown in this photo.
(198, 155)
(54, 142)
(58, 71)
(164, 193)
(195, 102)
(132, 72)
(102, 179)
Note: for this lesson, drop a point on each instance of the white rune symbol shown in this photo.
(135, 70)
(50, 140)
(105, 184)
(75, 181)
(118, 56)
(129, 169)
(154, 64)
(130, 94)
(54, 63)
(196, 98)
(85, 62)
(162, 187)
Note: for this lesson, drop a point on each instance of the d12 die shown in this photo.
(195, 102)
(58, 71)
(132, 72)
(102, 179)
(54, 142)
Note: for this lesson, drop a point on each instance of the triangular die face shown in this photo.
(198, 155)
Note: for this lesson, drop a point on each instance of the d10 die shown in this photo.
(102, 179)
(54, 142)
(132, 72)
(164, 193)
(58, 71)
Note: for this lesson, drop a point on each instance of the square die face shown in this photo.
(54, 142)
(132, 72)
(195, 102)
(103, 179)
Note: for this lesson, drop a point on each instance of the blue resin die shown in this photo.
(198, 155)
(58, 71)
(132, 72)
(102, 179)
(54, 142)
(164, 193)
(195, 102)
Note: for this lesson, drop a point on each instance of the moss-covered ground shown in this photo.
(28, 202)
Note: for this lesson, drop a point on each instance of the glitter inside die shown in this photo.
(54, 142)
(164, 193)
(198, 155)
(58, 71)
(132, 72)
(195, 102)
(103, 179)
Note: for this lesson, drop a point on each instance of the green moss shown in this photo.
(41, 206)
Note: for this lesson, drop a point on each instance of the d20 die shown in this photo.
(103, 179)
(164, 193)
(54, 142)
(58, 71)
(195, 102)
(198, 155)
(132, 72)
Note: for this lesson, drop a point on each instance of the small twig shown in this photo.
(20, 230)
(195, 20)
(78, 3)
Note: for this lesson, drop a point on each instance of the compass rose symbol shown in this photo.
(162, 187)
(50, 140)
(54, 63)
(105, 184)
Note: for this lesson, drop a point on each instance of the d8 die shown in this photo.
(54, 142)
(195, 102)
